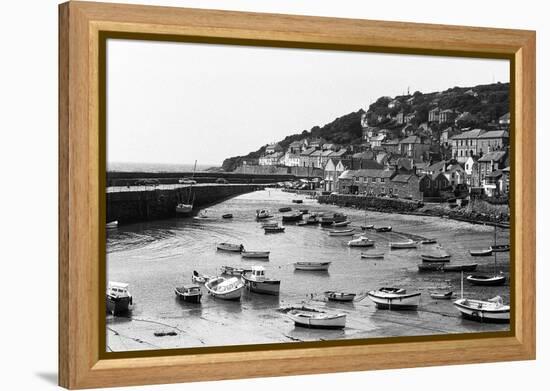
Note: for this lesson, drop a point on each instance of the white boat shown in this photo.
(481, 252)
(256, 281)
(255, 254)
(394, 298)
(184, 209)
(372, 255)
(312, 266)
(189, 293)
(263, 214)
(403, 245)
(203, 215)
(317, 319)
(441, 257)
(112, 224)
(339, 296)
(341, 232)
(226, 289)
(119, 299)
(362, 241)
(233, 271)
(497, 279)
(200, 278)
(492, 310)
(231, 247)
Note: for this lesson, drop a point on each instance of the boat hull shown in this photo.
(438, 259)
(335, 322)
(347, 232)
(315, 267)
(194, 298)
(269, 287)
(229, 247)
(232, 295)
(489, 281)
(401, 302)
(255, 255)
(481, 315)
(373, 256)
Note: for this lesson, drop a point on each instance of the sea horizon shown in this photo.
(157, 167)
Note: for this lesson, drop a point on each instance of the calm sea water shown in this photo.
(155, 167)
(155, 257)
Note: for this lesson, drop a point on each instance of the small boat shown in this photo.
(231, 247)
(227, 216)
(312, 220)
(233, 271)
(285, 209)
(428, 241)
(256, 281)
(500, 248)
(200, 278)
(292, 217)
(341, 232)
(342, 223)
(189, 293)
(276, 229)
(386, 228)
(270, 224)
(255, 254)
(372, 255)
(394, 298)
(263, 214)
(483, 252)
(486, 280)
(339, 296)
(304, 211)
(336, 218)
(297, 201)
(367, 226)
(327, 221)
(470, 267)
(441, 295)
(430, 267)
(184, 209)
(226, 289)
(490, 311)
(119, 299)
(362, 241)
(112, 224)
(203, 215)
(443, 257)
(403, 245)
(317, 319)
(312, 266)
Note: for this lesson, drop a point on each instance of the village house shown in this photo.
(494, 140)
(272, 159)
(315, 159)
(291, 159)
(376, 141)
(446, 135)
(325, 156)
(413, 147)
(296, 147)
(455, 174)
(433, 115)
(468, 168)
(466, 144)
(305, 157)
(316, 142)
(372, 182)
(431, 185)
(408, 130)
(409, 118)
(406, 186)
(394, 104)
(486, 165)
(332, 170)
(399, 118)
(446, 116)
(391, 146)
(273, 148)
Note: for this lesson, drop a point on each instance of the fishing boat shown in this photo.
(297, 201)
(270, 224)
(226, 289)
(285, 209)
(339, 296)
(486, 280)
(482, 252)
(441, 295)
(317, 319)
(276, 229)
(112, 224)
(386, 228)
(227, 216)
(119, 299)
(500, 248)
(469, 267)
(200, 278)
(184, 209)
(430, 267)
(402, 245)
(233, 271)
(361, 241)
(203, 215)
(231, 247)
(189, 293)
(394, 298)
(342, 223)
(312, 220)
(341, 232)
(262, 214)
(255, 254)
(442, 257)
(490, 311)
(372, 255)
(256, 281)
(428, 241)
(312, 266)
(297, 216)
(367, 226)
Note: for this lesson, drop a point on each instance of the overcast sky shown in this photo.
(177, 102)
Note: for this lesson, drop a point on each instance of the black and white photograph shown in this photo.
(263, 195)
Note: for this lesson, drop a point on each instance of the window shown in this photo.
(383, 180)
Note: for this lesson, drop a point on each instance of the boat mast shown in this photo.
(494, 253)
(461, 284)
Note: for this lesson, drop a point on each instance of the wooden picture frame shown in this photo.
(83, 28)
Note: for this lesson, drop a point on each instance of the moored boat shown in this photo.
(203, 215)
(276, 229)
(184, 209)
(226, 289)
(270, 224)
(394, 298)
(341, 232)
(430, 267)
(499, 248)
(189, 293)
(490, 311)
(339, 296)
(372, 255)
(428, 241)
(255, 254)
(342, 223)
(384, 228)
(285, 209)
(231, 247)
(367, 226)
(482, 252)
(361, 241)
(297, 216)
(441, 295)
(256, 281)
(442, 257)
(468, 267)
(312, 266)
(297, 201)
(486, 280)
(200, 278)
(403, 245)
(312, 220)
(263, 214)
(317, 319)
(119, 299)
(227, 216)
(233, 271)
